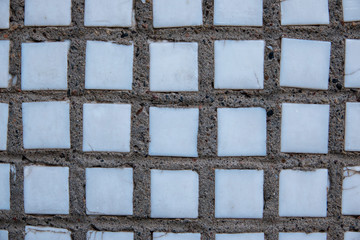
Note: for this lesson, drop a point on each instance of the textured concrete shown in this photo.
(207, 99)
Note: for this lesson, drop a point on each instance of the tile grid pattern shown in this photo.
(207, 99)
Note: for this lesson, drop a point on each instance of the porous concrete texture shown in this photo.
(207, 99)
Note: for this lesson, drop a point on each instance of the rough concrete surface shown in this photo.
(207, 99)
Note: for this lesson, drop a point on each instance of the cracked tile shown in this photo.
(46, 233)
(176, 236)
(351, 191)
(352, 63)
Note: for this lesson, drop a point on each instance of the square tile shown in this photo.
(352, 62)
(305, 128)
(108, 13)
(109, 66)
(177, 13)
(173, 66)
(303, 193)
(302, 236)
(4, 61)
(240, 236)
(352, 128)
(352, 236)
(173, 132)
(305, 63)
(351, 191)
(109, 191)
(304, 12)
(238, 12)
(241, 132)
(176, 236)
(4, 187)
(4, 14)
(239, 193)
(351, 10)
(239, 64)
(93, 235)
(46, 233)
(174, 194)
(47, 12)
(4, 118)
(106, 127)
(46, 125)
(4, 235)
(46, 190)
(44, 65)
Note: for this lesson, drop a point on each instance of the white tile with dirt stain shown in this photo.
(177, 13)
(109, 66)
(46, 125)
(174, 194)
(240, 236)
(108, 13)
(351, 191)
(44, 65)
(351, 10)
(173, 66)
(303, 193)
(352, 63)
(305, 63)
(241, 131)
(239, 64)
(106, 127)
(46, 233)
(4, 187)
(47, 13)
(304, 12)
(4, 62)
(46, 190)
(95, 235)
(109, 191)
(238, 12)
(176, 236)
(173, 132)
(305, 128)
(239, 193)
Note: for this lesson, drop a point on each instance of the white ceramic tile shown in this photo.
(109, 66)
(109, 191)
(239, 193)
(174, 194)
(4, 61)
(106, 127)
(46, 190)
(305, 63)
(4, 235)
(173, 132)
(239, 64)
(4, 118)
(240, 236)
(241, 132)
(93, 235)
(46, 125)
(304, 12)
(108, 13)
(305, 128)
(44, 65)
(47, 12)
(352, 236)
(352, 128)
(173, 66)
(177, 13)
(302, 236)
(352, 62)
(176, 236)
(351, 191)
(351, 10)
(4, 187)
(4, 14)
(238, 12)
(46, 233)
(303, 193)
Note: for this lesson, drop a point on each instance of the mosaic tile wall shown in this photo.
(179, 119)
